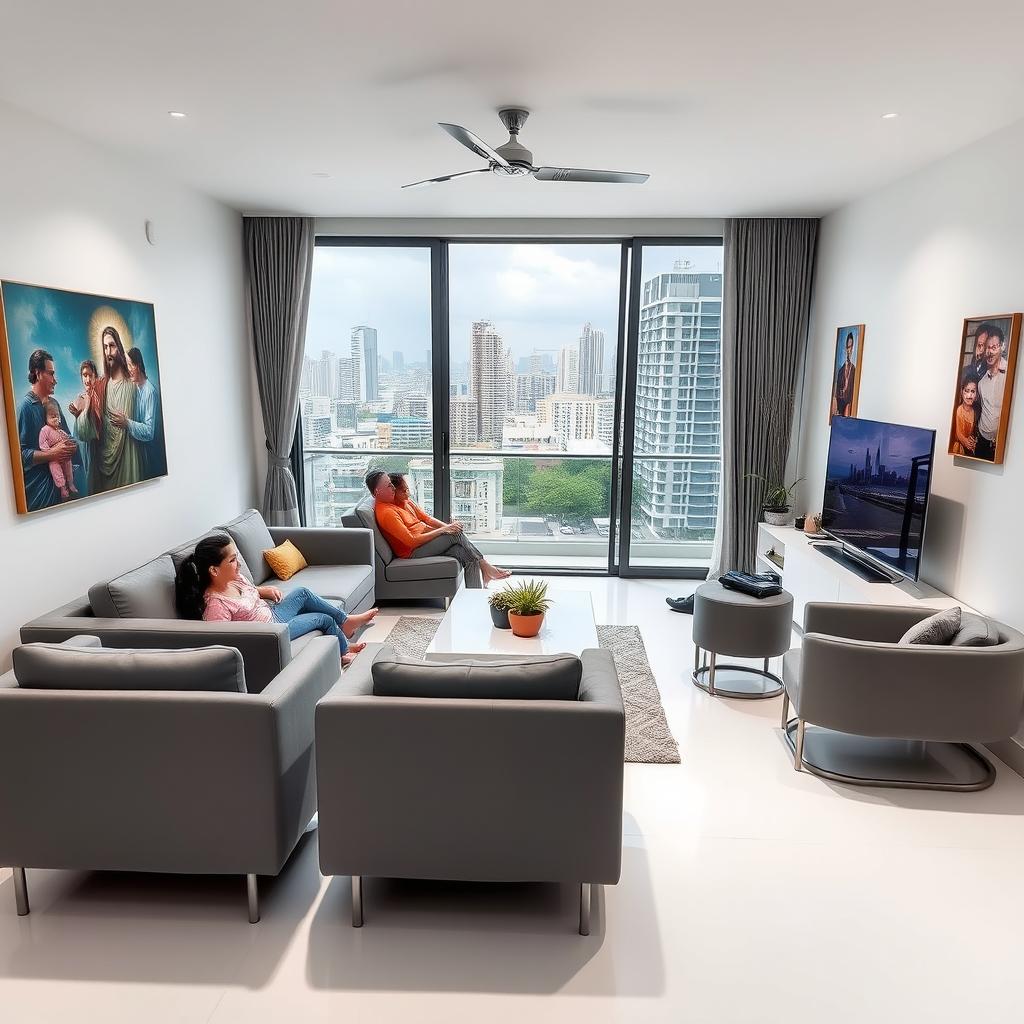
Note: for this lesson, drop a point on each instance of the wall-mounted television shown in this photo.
(876, 490)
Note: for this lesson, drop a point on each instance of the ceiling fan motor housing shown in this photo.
(519, 157)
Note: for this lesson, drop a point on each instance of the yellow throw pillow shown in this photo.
(286, 560)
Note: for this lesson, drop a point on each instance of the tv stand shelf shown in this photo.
(810, 574)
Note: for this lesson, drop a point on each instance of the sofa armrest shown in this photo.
(912, 691)
(328, 546)
(264, 646)
(878, 622)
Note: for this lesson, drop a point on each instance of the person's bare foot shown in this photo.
(356, 622)
(356, 648)
(347, 659)
(491, 573)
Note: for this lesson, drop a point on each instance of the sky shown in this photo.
(850, 437)
(537, 295)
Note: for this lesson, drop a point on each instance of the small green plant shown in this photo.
(777, 497)
(527, 598)
(501, 599)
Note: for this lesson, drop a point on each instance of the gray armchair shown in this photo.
(472, 789)
(181, 781)
(872, 712)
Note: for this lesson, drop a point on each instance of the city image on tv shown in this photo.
(876, 489)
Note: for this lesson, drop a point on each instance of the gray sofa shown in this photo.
(136, 609)
(141, 776)
(470, 788)
(399, 578)
(874, 712)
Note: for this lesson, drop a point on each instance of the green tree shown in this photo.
(559, 492)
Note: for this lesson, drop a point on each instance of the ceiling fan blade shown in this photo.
(582, 174)
(471, 141)
(447, 177)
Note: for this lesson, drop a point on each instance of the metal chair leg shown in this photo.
(252, 890)
(447, 602)
(584, 908)
(696, 659)
(357, 899)
(711, 675)
(785, 709)
(20, 892)
(798, 755)
(766, 666)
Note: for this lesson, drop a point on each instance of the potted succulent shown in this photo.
(527, 603)
(776, 506)
(499, 605)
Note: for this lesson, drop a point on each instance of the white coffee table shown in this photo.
(466, 631)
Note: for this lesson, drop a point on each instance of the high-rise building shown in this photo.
(568, 370)
(489, 380)
(572, 418)
(397, 362)
(334, 487)
(315, 413)
(403, 432)
(477, 496)
(591, 360)
(678, 401)
(530, 388)
(462, 416)
(364, 362)
(604, 421)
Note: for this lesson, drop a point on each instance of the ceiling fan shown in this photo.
(515, 159)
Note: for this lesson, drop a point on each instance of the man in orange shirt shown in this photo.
(414, 534)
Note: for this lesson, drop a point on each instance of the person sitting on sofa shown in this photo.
(414, 534)
(210, 586)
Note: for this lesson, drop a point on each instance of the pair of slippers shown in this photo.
(681, 604)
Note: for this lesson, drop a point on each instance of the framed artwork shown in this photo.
(984, 387)
(81, 381)
(846, 371)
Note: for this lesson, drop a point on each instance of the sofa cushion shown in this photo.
(937, 629)
(430, 567)
(975, 631)
(549, 678)
(180, 553)
(143, 593)
(252, 538)
(367, 516)
(285, 560)
(347, 584)
(63, 667)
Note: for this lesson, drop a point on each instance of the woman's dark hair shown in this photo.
(194, 575)
(398, 480)
(136, 357)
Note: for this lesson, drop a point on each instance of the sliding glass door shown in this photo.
(507, 381)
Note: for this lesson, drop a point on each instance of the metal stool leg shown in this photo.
(20, 892)
(711, 675)
(252, 889)
(585, 908)
(357, 901)
(696, 658)
(785, 709)
(798, 756)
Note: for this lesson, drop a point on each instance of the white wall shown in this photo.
(72, 216)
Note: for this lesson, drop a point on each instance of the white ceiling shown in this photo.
(734, 107)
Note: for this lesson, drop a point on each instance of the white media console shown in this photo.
(810, 575)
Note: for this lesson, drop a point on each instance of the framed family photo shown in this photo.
(846, 370)
(81, 381)
(984, 387)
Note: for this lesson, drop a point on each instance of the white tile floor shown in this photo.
(748, 894)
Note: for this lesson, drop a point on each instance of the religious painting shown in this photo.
(82, 392)
(984, 386)
(846, 371)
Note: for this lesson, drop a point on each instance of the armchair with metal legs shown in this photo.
(871, 711)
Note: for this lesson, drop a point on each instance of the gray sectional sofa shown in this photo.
(136, 608)
(157, 761)
(399, 578)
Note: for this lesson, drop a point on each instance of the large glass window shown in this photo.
(520, 354)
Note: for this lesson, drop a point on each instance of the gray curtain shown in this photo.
(767, 300)
(279, 265)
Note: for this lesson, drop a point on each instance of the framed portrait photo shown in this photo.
(984, 387)
(83, 394)
(846, 368)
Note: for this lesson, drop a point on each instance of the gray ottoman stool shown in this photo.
(728, 622)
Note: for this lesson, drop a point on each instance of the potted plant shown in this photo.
(499, 605)
(776, 506)
(527, 603)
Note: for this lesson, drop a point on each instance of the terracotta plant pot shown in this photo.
(499, 616)
(525, 625)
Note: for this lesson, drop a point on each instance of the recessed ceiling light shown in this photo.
(176, 113)
(889, 116)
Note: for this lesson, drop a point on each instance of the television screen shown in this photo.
(876, 489)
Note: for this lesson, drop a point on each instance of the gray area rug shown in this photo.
(648, 739)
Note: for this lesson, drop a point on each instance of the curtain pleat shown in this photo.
(279, 267)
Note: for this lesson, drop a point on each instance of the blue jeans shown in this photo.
(304, 612)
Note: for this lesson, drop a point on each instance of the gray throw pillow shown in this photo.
(63, 667)
(549, 678)
(252, 537)
(975, 631)
(366, 512)
(938, 629)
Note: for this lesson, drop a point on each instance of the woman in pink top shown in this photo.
(210, 586)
